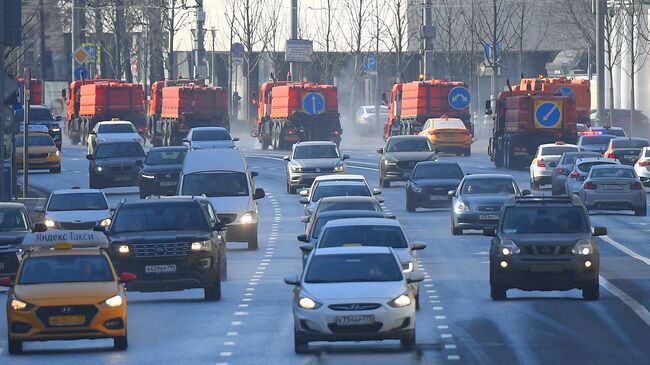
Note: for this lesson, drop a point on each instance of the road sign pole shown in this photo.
(293, 67)
(26, 94)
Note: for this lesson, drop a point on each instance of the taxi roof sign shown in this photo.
(59, 239)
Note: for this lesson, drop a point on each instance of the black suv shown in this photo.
(170, 244)
(114, 164)
(398, 158)
(159, 176)
(544, 243)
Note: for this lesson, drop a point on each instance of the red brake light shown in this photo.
(337, 132)
(589, 185)
(290, 131)
(644, 163)
(560, 170)
(610, 154)
(636, 186)
(575, 174)
(540, 163)
(432, 132)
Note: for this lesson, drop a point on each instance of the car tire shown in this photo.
(641, 212)
(290, 189)
(15, 347)
(300, 346)
(93, 183)
(498, 292)
(223, 268)
(455, 231)
(468, 152)
(410, 207)
(213, 293)
(408, 342)
(252, 243)
(384, 183)
(591, 292)
(533, 184)
(121, 343)
(417, 301)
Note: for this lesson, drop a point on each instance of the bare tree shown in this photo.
(450, 35)
(613, 52)
(574, 17)
(526, 14)
(29, 33)
(174, 19)
(352, 23)
(324, 38)
(275, 30)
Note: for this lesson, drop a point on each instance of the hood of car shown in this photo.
(546, 239)
(78, 216)
(326, 163)
(485, 199)
(111, 161)
(358, 292)
(212, 144)
(15, 237)
(437, 182)
(410, 156)
(161, 169)
(159, 236)
(66, 293)
(232, 204)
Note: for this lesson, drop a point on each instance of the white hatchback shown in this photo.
(546, 158)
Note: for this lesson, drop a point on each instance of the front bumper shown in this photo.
(158, 188)
(614, 201)
(239, 232)
(109, 179)
(305, 179)
(542, 175)
(476, 220)
(40, 163)
(395, 173)
(427, 200)
(532, 273)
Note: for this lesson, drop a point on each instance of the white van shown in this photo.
(222, 175)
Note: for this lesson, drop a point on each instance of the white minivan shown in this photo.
(222, 175)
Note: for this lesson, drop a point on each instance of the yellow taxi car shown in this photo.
(43, 153)
(448, 135)
(66, 288)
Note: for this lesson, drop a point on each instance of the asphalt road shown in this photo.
(458, 322)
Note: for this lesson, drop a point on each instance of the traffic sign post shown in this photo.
(80, 55)
(313, 104)
(370, 65)
(27, 96)
(459, 98)
(81, 73)
(548, 114)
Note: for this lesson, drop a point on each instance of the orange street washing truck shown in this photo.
(290, 112)
(448, 135)
(65, 289)
(176, 106)
(562, 86)
(411, 104)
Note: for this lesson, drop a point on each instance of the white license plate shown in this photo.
(613, 187)
(160, 269)
(2, 265)
(168, 183)
(355, 320)
(438, 197)
(488, 217)
(122, 178)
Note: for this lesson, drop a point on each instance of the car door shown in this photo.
(218, 237)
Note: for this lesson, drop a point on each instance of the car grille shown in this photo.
(546, 250)
(89, 311)
(407, 165)
(38, 155)
(439, 190)
(354, 306)
(122, 168)
(488, 208)
(170, 249)
(228, 217)
(317, 169)
(77, 225)
(355, 329)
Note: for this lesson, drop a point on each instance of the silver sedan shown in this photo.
(642, 166)
(614, 187)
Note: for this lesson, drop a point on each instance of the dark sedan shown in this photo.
(626, 149)
(115, 164)
(159, 176)
(15, 223)
(400, 155)
(430, 183)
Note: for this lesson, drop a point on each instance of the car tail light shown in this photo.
(636, 186)
(432, 133)
(589, 185)
(337, 132)
(540, 163)
(290, 131)
(610, 154)
(644, 163)
(575, 174)
(560, 170)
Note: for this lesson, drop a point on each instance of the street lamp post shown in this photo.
(213, 72)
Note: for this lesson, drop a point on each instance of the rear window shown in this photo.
(352, 268)
(65, 269)
(451, 123)
(163, 217)
(586, 166)
(613, 172)
(437, 171)
(544, 220)
(385, 236)
(557, 150)
(629, 143)
(324, 191)
(211, 135)
(588, 140)
(116, 128)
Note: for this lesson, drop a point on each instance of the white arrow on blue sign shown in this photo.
(459, 98)
(313, 103)
(566, 91)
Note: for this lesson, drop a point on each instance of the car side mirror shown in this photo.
(303, 238)
(90, 157)
(418, 246)
(254, 174)
(488, 104)
(581, 178)
(304, 201)
(92, 133)
(307, 248)
(525, 192)
(259, 194)
(226, 220)
(6, 281)
(451, 193)
(286, 157)
(292, 280)
(490, 231)
(391, 216)
(235, 139)
(127, 277)
(304, 219)
(39, 227)
(376, 191)
(380, 151)
(600, 231)
(414, 277)
(58, 119)
(346, 157)
(304, 192)
(99, 228)
(488, 112)
(185, 140)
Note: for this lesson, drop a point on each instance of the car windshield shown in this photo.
(316, 151)
(571, 158)
(165, 157)
(360, 235)
(629, 143)
(350, 268)
(39, 114)
(78, 201)
(65, 269)
(586, 166)
(12, 220)
(613, 172)
(553, 151)
(595, 140)
(437, 171)
(211, 135)
(408, 145)
(41, 140)
(545, 219)
(167, 217)
(488, 187)
(370, 204)
(324, 191)
(116, 128)
(215, 184)
(128, 149)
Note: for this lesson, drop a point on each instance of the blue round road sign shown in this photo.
(547, 114)
(237, 50)
(459, 98)
(566, 91)
(81, 73)
(313, 103)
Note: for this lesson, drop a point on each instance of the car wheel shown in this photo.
(591, 292)
(641, 212)
(299, 346)
(120, 343)
(455, 231)
(384, 183)
(533, 184)
(417, 301)
(408, 342)
(93, 182)
(213, 293)
(15, 346)
(252, 243)
(410, 207)
(468, 152)
(498, 292)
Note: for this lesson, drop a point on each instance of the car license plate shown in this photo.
(67, 320)
(438, 197)
(545, 268)
(160, 269)
(488, 217)
(613, 187)
(122, 178)
(355, 320)
(630, 157)
(168, 183)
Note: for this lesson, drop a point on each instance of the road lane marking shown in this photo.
(232, 333)
(637, 307)
(626, 250)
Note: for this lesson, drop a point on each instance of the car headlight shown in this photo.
(508, 247)
(390, 163)
(583, 247)
(401, 301)
(49, 223)
(56, 129)
(308, 303)
(114, 301)
(54, 154)
(202, 246)
(460, 206)
(296, 169)
(416, 188)
(19, 305)
(124, 249)
(105, 222)
(147, 176)
(408, 267)
(248, 217)
(99, 168)
(339, 168)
